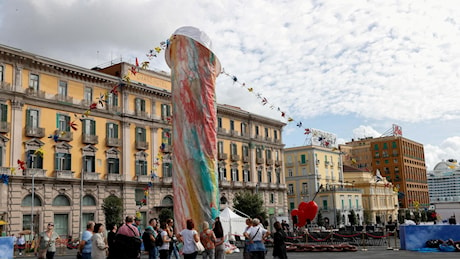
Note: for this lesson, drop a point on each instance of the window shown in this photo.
(32, 118)
(1, 73)
(3, 113)
(305, 188)
(235, 176)
(278, 176)
(1, 156)
(62, 161)
(266, 132)
(113, 165)
(166, 136)
(167, 169)
(269, 176)
(89, 163)
(257, 130)
(376, 147)
(62, 88)
(259, 175)
(291, 189)
(61, 200)
(89, 200)
(245, 150)
(232, 125)
(393, 145)
(219, 122)
(385, 146)
(246, 176)
(63, 122)
(34, 82)
(220, 147)
(141, 135)
(27, 201)
(112, 130)
(86, 217)
(222, 173)
(112, 100)
(89, 94)
(139, 196)
(291, 205)
(27, 222)
(259, 153)
(89, 127)
(61, 223)
(275, 134)
(233, 149)
(303, 158)
(243, 129)
(140, 105)
(268, 154)
(272, 198)
(34, 161)
(289, 172)
(141, 167)
(325, 204)
(165, 111)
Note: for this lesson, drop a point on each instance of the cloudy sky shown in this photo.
(349, 67)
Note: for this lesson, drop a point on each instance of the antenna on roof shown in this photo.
(395, 130)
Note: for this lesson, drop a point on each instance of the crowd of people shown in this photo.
(159, 240)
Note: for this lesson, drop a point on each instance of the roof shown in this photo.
(347, 168)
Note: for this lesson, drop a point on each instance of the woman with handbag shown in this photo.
(99, 246)
(190, 238)
(220, 239)
(46, 243)
(208, 239)
(256, 234)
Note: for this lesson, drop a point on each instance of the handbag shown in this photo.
(42, 252)
(199, 246)
(255, 246)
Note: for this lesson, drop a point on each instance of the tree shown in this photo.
(113, 210)
(367, 217)
(352, 218)
(319, 219)
(165, 213)
(250, 204)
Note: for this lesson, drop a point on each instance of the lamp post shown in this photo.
(33, 198)
(81, 196)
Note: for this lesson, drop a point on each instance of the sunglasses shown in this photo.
(51, 225)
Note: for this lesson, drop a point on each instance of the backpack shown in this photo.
(159, 239)
(148, 244)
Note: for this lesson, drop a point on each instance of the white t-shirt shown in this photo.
(165, 245)
(188, 239)
(256, 235)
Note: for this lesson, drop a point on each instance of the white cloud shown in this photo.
(365, 131)
(448, 149)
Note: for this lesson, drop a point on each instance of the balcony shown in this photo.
(113, 142)
(61, 174)
(272, 186)
(237, 184)
(5, 170)
(263, 185)
(245, 158)
(63, 98)
(222, 156)
(221, 130)
(268, 139)
(86, 103)
(234, 157)
(278, 163)
(281, 186)
(64, 136)
(167, 180)
(37, 132)
(245, 135)
(234, 133)
(114, 177)
(113, 108)
(89, 139)
(250, 185)
(34, 171)
(4, 127)
(224, 184)
(259, 160)
(144, 178)
(269, 161)
(5, 85)
(167, 148)
(142, 145)
(91, 176)
(36, 93)
(141, 113)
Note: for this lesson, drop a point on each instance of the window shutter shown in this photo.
(67, 122)
(107, 125)
(68, 162)
(117, 166)
(93, 127)
(4, 109)
(115, 130)
(28, 121)
(137, 168)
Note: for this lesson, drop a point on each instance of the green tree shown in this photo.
(367, 216)
(165, 213)
(319, 219)
(250, 204)
(113, 210)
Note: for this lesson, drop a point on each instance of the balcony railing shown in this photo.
(37, 132)
(234, 157)
(237, 184)
(259, 160)
(281, 186)
(5, 85)
(143, 178)
(61, 174)
(63, 98)
(222, 156)
(4, 127)
(167, 180)
(142, 113)
(272, 186)
(268, 139)
(91, 176)
(167, 148)
(269, 161)
(34, 171)
(142, 145)
(5, 170)
(245, 158)
(36, 93)
(114, 177)
(224, 183)
(250, 184)
(64, 136)
(278, 163)
(233, 133)
(89, 139)
(113, 108)
(113, 142)
(221, 130)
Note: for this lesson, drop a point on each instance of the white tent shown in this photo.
(232, 223)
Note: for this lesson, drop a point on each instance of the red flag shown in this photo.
(137, 62)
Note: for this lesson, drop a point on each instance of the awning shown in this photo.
(3, 222)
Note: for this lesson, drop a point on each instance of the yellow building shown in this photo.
(311, 169)
(380, 201)
(64, 122)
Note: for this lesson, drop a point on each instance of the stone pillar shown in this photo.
(17, 127)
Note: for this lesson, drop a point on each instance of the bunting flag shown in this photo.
(22, 165)
(5, 179)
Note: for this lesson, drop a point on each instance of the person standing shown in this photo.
(124, 237)
(149, 238)
(173, 240)
(279, 238)
(219, 233)
(47, 241)
(85, 243)
(189, 237)
(164, 248)
(99, 246)
(246, 254)
(111, 240)
(208, 239)
(21, 242)
(256, 234)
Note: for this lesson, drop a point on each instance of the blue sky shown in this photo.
(350, 67)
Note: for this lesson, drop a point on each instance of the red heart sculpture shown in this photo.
(301, 220)
(310, 210)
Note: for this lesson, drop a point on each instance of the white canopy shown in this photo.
(232, 223)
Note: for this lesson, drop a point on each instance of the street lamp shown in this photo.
(33, 197)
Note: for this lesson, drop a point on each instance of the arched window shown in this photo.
(27, 201)
(61, 200)
(167, 201)
(89, 200)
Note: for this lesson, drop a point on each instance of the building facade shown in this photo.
(380, 201)
(400, 160)
(71, 137)
(315, 172)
